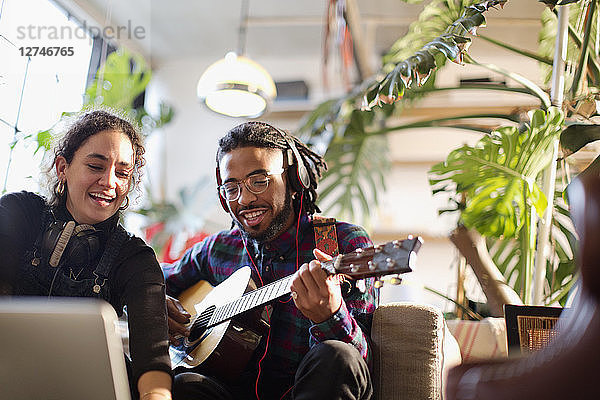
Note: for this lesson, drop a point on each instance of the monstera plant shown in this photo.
(358, 122)
(496, 186)
(502, 186)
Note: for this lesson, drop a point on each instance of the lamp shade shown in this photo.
(236, 86)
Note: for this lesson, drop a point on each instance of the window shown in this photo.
(36, 89)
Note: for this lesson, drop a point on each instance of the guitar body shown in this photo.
(223, 350)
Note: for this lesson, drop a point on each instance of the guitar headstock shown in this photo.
(396, 257)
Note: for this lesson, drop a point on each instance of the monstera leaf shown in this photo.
(497, 183)
(498, 176)
(118, 82)
(508, 256)
(334, 123)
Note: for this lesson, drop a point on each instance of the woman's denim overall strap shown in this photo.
(40, 279)
(116, 240)
(32, 281)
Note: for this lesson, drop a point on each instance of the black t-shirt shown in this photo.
(135, 279)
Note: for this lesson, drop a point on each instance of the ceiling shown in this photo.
(181, 29)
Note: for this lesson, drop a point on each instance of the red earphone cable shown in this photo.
(297, 251)
(252, 261)
(268, 318)
(298, 230)
(262, 284)
(263, 357)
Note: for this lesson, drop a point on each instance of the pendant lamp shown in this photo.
(235, 85)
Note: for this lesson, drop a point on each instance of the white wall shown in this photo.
(186, 147)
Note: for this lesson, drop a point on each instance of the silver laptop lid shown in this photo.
(66, 349)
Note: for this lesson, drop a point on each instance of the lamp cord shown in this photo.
(241, 50)
(243, 26)
(104, 50)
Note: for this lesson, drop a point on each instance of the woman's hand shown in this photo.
(317, 295)
(155, 385)
(178, 317)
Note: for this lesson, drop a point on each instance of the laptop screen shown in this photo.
(66, 349)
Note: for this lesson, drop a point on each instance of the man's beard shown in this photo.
(277, 225)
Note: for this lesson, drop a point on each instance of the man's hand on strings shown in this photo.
(316, 294)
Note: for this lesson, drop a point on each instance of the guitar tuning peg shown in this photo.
(337, 261)
(378, 283)
(371, 265)
(396, 244)
(396, 280)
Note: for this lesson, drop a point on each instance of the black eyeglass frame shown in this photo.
(223, 192)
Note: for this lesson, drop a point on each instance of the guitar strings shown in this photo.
(248, 301)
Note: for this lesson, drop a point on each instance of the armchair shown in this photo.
(413, 349)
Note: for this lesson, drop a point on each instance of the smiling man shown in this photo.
(259, 216)
(317, 344)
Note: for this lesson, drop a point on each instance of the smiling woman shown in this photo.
(97, 178)
(96, 164)
(72, 244)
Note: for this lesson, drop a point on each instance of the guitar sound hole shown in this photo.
(199, 326)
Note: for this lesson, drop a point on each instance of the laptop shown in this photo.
(66, 349)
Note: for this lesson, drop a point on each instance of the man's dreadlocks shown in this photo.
(263, 135)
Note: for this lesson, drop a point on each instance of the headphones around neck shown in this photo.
(297, 173)
(75, 245)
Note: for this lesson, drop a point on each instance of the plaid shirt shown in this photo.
(292, 334)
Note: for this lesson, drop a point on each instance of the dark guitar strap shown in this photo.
(325, 235)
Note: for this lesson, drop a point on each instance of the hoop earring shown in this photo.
(60, 188)
(123, 208)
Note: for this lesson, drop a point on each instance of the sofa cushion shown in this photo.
(480, 340)
(412, 350)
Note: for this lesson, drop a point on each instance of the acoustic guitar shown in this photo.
(228, 321)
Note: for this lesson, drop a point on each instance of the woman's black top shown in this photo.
(135, 279)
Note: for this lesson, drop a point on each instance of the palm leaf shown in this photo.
(356, 161)
(440, 33)
(530, 87)
(432, 22)
(416, 69)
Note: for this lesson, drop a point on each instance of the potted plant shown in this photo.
(506, 183)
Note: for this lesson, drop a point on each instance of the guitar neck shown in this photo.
(393, 257)
(250, 300)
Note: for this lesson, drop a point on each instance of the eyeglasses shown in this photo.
(256, 184)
